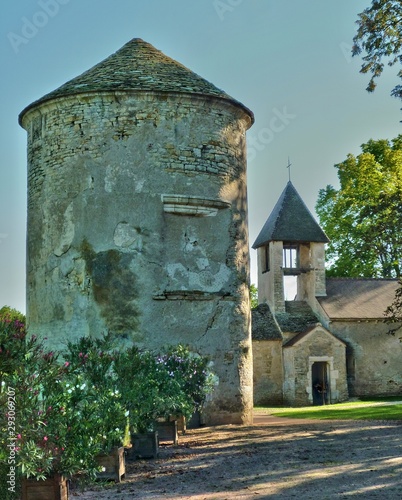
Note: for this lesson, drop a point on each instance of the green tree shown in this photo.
(7, 312)
(379, 37)
(253, 296)
(363, 219)
(394, 312)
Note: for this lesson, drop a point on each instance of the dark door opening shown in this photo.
(319, 375)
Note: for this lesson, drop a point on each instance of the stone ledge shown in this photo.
(190, 295)
(191, 205)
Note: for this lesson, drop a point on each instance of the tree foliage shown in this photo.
(379, 36)
(7, 312)
(393, 313)
(363, 219)
(253, 296)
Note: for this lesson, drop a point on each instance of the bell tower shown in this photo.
(291, 243)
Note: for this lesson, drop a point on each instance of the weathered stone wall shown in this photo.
(320, 346)
(268, 372)
(270, 283)
(318, 263)
(373, 357)
(137, 225)
(311, 282)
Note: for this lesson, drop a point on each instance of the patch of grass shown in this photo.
(380, 398)
(371, 409)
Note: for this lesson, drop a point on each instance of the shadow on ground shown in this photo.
(274, 458)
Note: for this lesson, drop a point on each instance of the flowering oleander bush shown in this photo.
(12, 351)
(156, 386)
(148, 390)
(72, 406)
(192, 371)
(92, 360)
(66, 413)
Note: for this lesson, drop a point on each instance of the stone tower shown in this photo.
(291, 243)
(137, 215)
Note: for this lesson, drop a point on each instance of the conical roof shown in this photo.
(138, 66)
(290, 221)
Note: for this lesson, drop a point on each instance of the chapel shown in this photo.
(328, 343)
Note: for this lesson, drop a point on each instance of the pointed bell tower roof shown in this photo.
(290, 221)
(138, 66)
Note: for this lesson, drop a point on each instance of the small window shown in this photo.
(290, 256)
(265, 259)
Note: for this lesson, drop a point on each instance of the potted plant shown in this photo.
(149, 392)
(193, 373)
(12, 353)
(156, 386)
(133, 370)
(26, 370)
(64, 419)
(93, 359)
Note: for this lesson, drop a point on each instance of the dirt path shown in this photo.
(274, 458)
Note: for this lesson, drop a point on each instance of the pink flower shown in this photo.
(45, 438)
(66, 364)
(19, 436)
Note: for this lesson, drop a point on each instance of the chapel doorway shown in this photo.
(320, 381)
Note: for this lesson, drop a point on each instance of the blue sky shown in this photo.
(287, 60)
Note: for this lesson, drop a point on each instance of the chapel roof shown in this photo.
(297, 318)
(313, 328)
(263, 324)
(138, 66)
(290, 221)
(358, 298)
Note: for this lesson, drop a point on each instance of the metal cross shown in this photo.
(288, 167)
